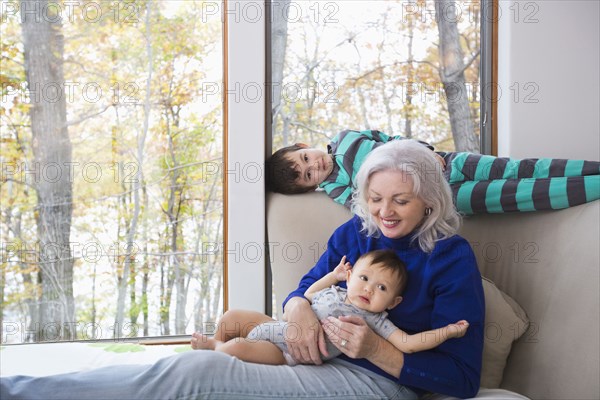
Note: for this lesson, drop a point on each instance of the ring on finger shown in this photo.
(343, 343)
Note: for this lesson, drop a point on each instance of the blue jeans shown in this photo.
(205, 374)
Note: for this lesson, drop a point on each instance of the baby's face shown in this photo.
(372, 287)
(314, 166)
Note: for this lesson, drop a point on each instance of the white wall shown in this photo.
(552, 47)
(246, 148)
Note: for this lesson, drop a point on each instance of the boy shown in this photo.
(480, 183)
(375, 284)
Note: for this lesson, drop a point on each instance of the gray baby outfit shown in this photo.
(328, 302)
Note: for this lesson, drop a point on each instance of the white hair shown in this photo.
(419, 164)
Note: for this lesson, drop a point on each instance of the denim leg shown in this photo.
(205, 374)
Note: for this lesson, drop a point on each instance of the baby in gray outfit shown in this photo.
(374, 284)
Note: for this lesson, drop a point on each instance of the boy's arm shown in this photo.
(399, 137)
(338, 274)
(426, 340)
(374, 135)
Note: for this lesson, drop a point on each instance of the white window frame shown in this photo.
(244, 95)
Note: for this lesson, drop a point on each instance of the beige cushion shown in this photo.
(491, 394)
(505, 322)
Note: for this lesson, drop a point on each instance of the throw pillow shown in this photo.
(505, 322)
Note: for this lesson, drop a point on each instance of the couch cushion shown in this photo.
(490, 394)
(505, 322)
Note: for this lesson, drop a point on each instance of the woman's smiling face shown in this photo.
(393, 205)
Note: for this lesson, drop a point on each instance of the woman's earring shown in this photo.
(428, 211)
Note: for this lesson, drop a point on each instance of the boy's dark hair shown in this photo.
(388, 259)
(281, 174)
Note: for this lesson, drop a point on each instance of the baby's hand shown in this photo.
(458, 329)
(340, 272)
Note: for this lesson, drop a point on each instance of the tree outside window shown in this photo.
(111, 189)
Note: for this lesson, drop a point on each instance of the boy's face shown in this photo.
(314, 166)
(372, 287)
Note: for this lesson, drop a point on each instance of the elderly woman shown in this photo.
(402, 202)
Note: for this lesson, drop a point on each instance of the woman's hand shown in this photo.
(305, 338)
(353, 337)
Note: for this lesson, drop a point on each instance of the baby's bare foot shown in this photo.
(202, 342)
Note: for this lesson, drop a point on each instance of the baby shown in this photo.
(374, 285)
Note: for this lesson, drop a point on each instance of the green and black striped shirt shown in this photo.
(480, 183)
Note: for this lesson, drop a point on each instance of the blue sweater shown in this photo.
(444, 286)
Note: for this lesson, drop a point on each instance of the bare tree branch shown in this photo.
(18, 182)
(12, 60)
(83, 67)
(301, 125)
(88, 116)
(467, 65)
(383, 66)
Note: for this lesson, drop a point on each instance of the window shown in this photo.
(409, 68)
(112, 153)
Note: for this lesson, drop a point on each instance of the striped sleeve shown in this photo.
(487, 184)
